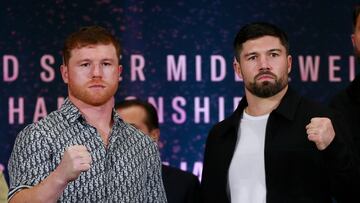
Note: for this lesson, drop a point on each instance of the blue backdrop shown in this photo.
(176, 54)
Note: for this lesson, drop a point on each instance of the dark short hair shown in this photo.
(151, 118)
(356, 13)
(90, 35)
(256, 30)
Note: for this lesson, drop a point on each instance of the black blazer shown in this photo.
(295, 170)
(347, 102)
(180, 186)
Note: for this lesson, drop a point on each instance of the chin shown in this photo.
(99, 100)
(94, 100)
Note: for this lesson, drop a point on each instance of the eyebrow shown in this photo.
(83, 60)
(107, 59)
(88, 60)
(270, 50)
(249, 54)
(278, 50)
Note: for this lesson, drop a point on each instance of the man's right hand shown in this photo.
(76, 159)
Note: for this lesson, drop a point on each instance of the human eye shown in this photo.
(274, 54)
(107, 64)
(251, 58)
(85, 65)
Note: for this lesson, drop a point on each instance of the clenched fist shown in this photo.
(321, 132)
(76, 159)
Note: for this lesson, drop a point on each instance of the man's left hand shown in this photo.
(321, 132)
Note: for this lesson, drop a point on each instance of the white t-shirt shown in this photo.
(247, 168)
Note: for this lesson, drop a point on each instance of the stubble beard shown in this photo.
(267, 89)
(93, 98)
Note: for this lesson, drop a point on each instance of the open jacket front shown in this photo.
(295, 170)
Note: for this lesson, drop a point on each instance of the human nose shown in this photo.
(96, 71)
(264, 63)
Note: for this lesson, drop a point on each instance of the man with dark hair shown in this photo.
(84, 152)
(180, 186)
(277, 146)
(347, 101)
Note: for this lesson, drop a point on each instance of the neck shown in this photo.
(258, 106)
(99, 117)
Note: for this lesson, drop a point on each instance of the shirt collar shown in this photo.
(287, 107)
(116, 118)
(288, 104)
(70, 111)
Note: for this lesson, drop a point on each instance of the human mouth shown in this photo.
(97, 86)
(265, 76)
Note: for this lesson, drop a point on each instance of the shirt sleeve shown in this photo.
(155, 186)
(30, 160)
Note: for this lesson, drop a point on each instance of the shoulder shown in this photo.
(299, 110)
(170, 172)
(293, 104)
(224, 133)
(52, 120)
(226, 126)
(134, 133)
(26, 136)
(222, 126)
(34, 130)
(55, 118)
(175, 171)
(132, 138)
(313, 108)
(343, 104)
(349, 97)
(37, 133)
(341, 99)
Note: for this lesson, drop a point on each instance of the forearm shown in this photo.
(49, 190)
